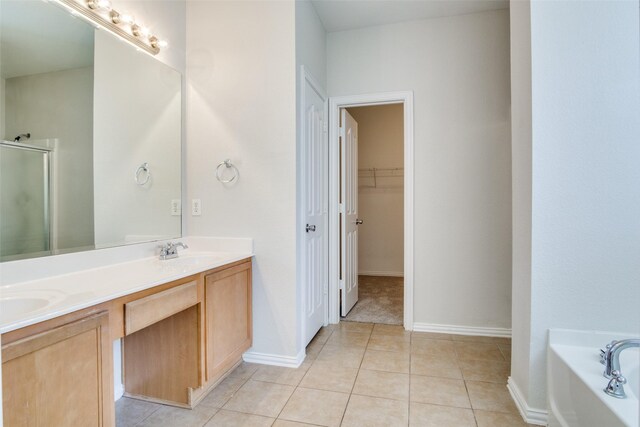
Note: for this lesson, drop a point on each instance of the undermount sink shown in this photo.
(13, 306)
(16, 303)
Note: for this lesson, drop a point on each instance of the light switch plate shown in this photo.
(196, 207)
(176, 207)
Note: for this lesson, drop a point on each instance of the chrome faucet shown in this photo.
(170, 250)
(610, 358)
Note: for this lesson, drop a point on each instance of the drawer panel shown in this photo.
(148, 310)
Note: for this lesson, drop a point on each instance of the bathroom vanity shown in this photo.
(184, 324)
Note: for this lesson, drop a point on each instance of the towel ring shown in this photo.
(228, 165)
(147, 174)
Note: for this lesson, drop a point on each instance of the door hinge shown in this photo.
(341, 207)
(325, 127)
(342, 132)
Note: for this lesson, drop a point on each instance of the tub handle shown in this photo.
(615, 387)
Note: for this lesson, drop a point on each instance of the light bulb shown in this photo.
(144, 31)
(163, 43)
(121, 18)
(127, 18)
(99, 4)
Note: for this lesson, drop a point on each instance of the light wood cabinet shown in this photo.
(180, 339)
(228, 318)
(61, 377)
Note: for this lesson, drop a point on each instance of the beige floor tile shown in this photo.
(490, 397)
(129, 412)
(434, 366)
(327, 376)
(286, 423)
(344, 338)
(236, 419)
(223, 392)
(244, 370)
(374, 411)
(497, 419)
(388, 385)
(260, 398)
(169, 416)
(356, 327)
(281, 375)
(393, 330)
(492, 371)
(323, 335)
(386, 361)
(506, 352)
(439, 391)
(318, 407)
(437, 348)
(477, 351)
(425, 415)
(390, 343)
(349, 357)
(313, 349)
(431, 335)
(486, 340)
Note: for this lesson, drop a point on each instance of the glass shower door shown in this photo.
(24, 202)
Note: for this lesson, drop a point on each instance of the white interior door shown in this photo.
(349, 211)
(315, 154)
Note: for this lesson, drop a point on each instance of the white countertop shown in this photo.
(23, 303)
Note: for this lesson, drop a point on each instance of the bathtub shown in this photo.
(575, 383)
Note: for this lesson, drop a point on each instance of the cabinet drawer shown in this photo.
(148, 310)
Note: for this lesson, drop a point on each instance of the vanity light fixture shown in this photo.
(123, 25)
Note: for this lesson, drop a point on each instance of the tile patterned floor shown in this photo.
(358, 374)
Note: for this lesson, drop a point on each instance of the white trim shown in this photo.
(118, 390)
(335, 104)
(305, 77)
(382, 273)
(462, 330)
(275, 359)
(530, 415)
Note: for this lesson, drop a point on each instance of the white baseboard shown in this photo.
(382, 273)
(530, 415)
(275, 359)
(118, 390)
(462, 330)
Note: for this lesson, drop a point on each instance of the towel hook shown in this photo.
(147, 174)
(228, 165)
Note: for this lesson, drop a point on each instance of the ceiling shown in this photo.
(340, 15)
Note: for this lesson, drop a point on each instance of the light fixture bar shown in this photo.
(148, 43)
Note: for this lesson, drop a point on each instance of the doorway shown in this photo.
(379, 197)
(348, 282)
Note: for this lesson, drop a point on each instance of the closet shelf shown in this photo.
(372, 175)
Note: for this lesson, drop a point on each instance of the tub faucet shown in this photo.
(170, 250)
(611, 357)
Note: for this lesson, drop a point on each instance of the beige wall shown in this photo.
(380, 145)
(458, 69)
(578, 183)
(241, 105)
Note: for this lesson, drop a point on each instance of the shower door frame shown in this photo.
(48, 185)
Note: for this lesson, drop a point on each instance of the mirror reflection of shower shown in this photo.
(26, 172)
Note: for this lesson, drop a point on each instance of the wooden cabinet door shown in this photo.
(61, 377)
(228, 318)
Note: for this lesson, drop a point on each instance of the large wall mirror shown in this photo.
(90, 155)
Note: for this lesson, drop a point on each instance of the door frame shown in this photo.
(335, 104)
(306, 77)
